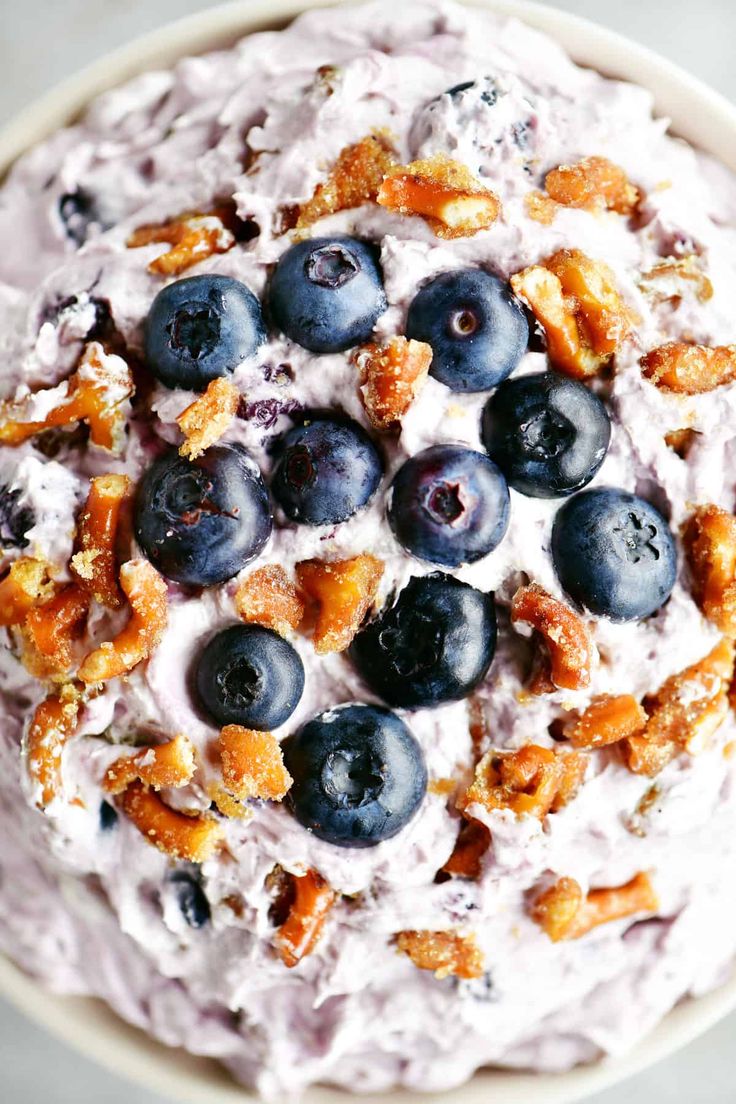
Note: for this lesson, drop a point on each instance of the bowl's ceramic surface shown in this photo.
(698, 114)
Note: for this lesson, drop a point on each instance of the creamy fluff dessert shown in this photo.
(369, 566)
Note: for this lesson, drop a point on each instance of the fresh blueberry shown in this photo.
(327, 293)
(79, 213)
(15, 519)
(359, 775)
(548, 435)
(327, 469)
(194, 906)
(614, 554)
(201, 521)
(434, 645)
(476, 326)
(201, 328)
(108, 817)
(449, 505)
(249, 676)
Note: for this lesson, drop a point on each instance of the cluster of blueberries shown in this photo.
(358, 773)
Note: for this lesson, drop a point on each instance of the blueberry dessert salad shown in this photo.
(368, 582)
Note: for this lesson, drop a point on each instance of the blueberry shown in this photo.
(434, 645)
(15, 520)
(477, 328)
(201, 328)
(359, 775)
(108, 817)
(194, 906)
(614, 554)
(449, 505)
(249, 676)
(548, 435)
(327, 469)
(201, 521)
(327, 293)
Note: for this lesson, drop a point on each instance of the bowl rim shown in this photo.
(700, 115)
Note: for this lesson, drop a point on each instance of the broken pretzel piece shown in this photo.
(252, 765)
(268, 597)
(466, 860)
(190, 838)
(568, 643)
(594, 182)
(94, 564)
(97, 393)
(664, 282)
(26, 583)
(710, 542)
(53, 724)
(446, 953)
(444, 193)
(354, 179)
(607, 720)
(193, 237)
(343, 591)
(391, 377)
(312, 901)
(206, 419)
(563, 913)
(531, 781)
(690, 369)
(170, 765)
(51, 629)
(147, 595)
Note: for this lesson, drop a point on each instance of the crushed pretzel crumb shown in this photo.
(710, 542)
(607, 720)
(191, 838)
(391, 377)
(193, 237)
(446, 953)
(556, 908)
(531, 781)
(540, 208)
(51, 629)
(252, 765)
(298, 935)
(594, 182)
(94, 564)
(444, 193)
(690, 369)
(355, 179)
(26, 583)
(663, 282)
(53, 723)
(681, 441)
(268, 597)
(206, 419)
(164, 766)
(568, 643)
(466, 860)
(147, 595)
(343, 591)
(563, 913)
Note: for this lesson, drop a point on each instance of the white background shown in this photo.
(44, 40)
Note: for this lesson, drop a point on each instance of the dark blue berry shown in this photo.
(327, 469)
(15, 520)
(359, 775)
(79, 212)
(548, 435)
(249, 676)
(327, 293)
(201, 328)
(476, 326)
(614, 554)
(108, 817)
(449, 505)
(434, 645)
(194, 906)
(201, 521)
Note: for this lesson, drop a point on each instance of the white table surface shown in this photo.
(44, 40)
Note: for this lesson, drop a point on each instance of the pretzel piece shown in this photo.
(170, 765)
(311, 905)
(193, 236)
(444, 193)
(466, 860)
(391, 377)
(607, 720)
(690, 369)
(355, 179)
(568, 643)
(94, 564)
(190, 838)
(147, 595)
(206, 419)
(563, 913)
(663, 281)
(50, 630)
(26, 583)
(253, 765)
(343, 591)
(710, 542)
(527, 781)
(268, 597)
(594, 182)
(52, 725)
(446, 953)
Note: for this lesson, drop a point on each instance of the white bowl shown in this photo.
(698, 114)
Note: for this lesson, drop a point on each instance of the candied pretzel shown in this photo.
(681, 441)
(675, 270)
(53, 723)
(94, 563)
(576, 301)
(312, 901)
(191, 838)
(26, 583)
(466, 860)
(354, 179)
(252, 764)
(540, 207)
(689, 369)
(594, 182)
(343, 591)
(206, 419)
(96, 393)
(146, 592)
(391, 377)
(531, 781)
(50, 630)
(446, 953)
(563, 913)
(193, 237)
(607, 720)
(569, 645)
(268, 597)
(444, 193)
(169, 765)
(710, 541)
(684, 713)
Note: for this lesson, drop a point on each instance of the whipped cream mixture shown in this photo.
(95, 911)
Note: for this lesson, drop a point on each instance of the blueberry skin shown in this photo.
(200, 521)
(359, 775)
(614, 554)
(449, 505)
(548, 435)
(194, 906)
(248, 675)
(477, 328)
(201, 328)
(434, 645)
(327, 470)
(327, 293)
